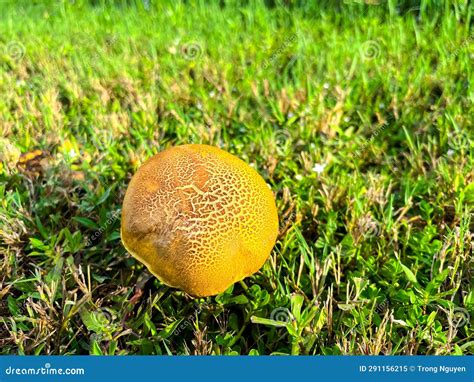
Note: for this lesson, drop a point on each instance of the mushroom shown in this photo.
(199, 218)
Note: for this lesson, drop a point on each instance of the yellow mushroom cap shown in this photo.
(199, 218)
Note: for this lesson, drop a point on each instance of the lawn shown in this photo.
(358, 115)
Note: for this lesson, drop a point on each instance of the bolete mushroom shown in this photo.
(199, 218)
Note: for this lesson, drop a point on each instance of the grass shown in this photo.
(358, 115)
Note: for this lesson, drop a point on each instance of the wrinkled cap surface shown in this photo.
(199, 218)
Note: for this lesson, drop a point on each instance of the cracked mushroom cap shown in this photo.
(199, 218)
